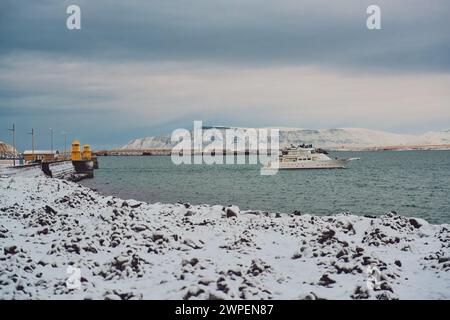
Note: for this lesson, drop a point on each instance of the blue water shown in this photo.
(413, 183)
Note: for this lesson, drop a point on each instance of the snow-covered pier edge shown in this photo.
(65, 169)
(60, 240)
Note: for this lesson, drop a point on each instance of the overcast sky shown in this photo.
(140, 68)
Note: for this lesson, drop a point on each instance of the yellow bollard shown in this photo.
(76, 152)
(87, 154)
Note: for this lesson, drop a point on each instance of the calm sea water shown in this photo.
(413, 183)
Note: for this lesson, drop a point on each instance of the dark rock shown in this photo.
(73, 248)
(341, 253)
(360, 293)
(415, 223)
(256, 213)
(42, 263)
(310, 296)
(325, 280)
(398, 263)
(139, 228)
(222, 286)
(189, 213)
(157, 236)
(215, 296)
(90, 249)
(235, 272)
(326, 235)
(10, 250)
(443, 259)
(43, 231)
(49, 210)
(194, 291)
(231, 213)
(257, 267)
(296, 255)
(193, 261)
(193, 244)
(385, 286)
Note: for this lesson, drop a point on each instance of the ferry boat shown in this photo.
(307, 157)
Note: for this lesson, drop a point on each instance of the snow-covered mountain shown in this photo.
(342, 138)
(159, 142)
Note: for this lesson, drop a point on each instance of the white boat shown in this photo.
(307, 157)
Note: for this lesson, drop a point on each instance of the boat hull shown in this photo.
(329, 164)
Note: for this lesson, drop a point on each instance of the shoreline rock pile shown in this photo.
(126, 249)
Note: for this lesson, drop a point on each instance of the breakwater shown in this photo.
(70, 170)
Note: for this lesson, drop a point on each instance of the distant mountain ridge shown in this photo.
(337, 139)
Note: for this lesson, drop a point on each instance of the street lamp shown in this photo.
(13, 130)
(32, 142)
(65, 144)
(51, 140)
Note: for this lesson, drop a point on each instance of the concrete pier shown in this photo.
(71, 170)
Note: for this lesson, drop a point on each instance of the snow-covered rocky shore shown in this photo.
(133, 250)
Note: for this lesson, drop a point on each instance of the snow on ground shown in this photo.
(133, 250)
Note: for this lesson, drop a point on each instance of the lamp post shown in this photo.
(13, 130)
(32, 142)
(51, 141)
(65, 144)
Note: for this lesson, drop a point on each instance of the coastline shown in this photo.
(155, 152)
(127, 249)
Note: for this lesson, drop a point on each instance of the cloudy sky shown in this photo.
(139, 68)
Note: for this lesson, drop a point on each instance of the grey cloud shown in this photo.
(237, 32)
(144, 67)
